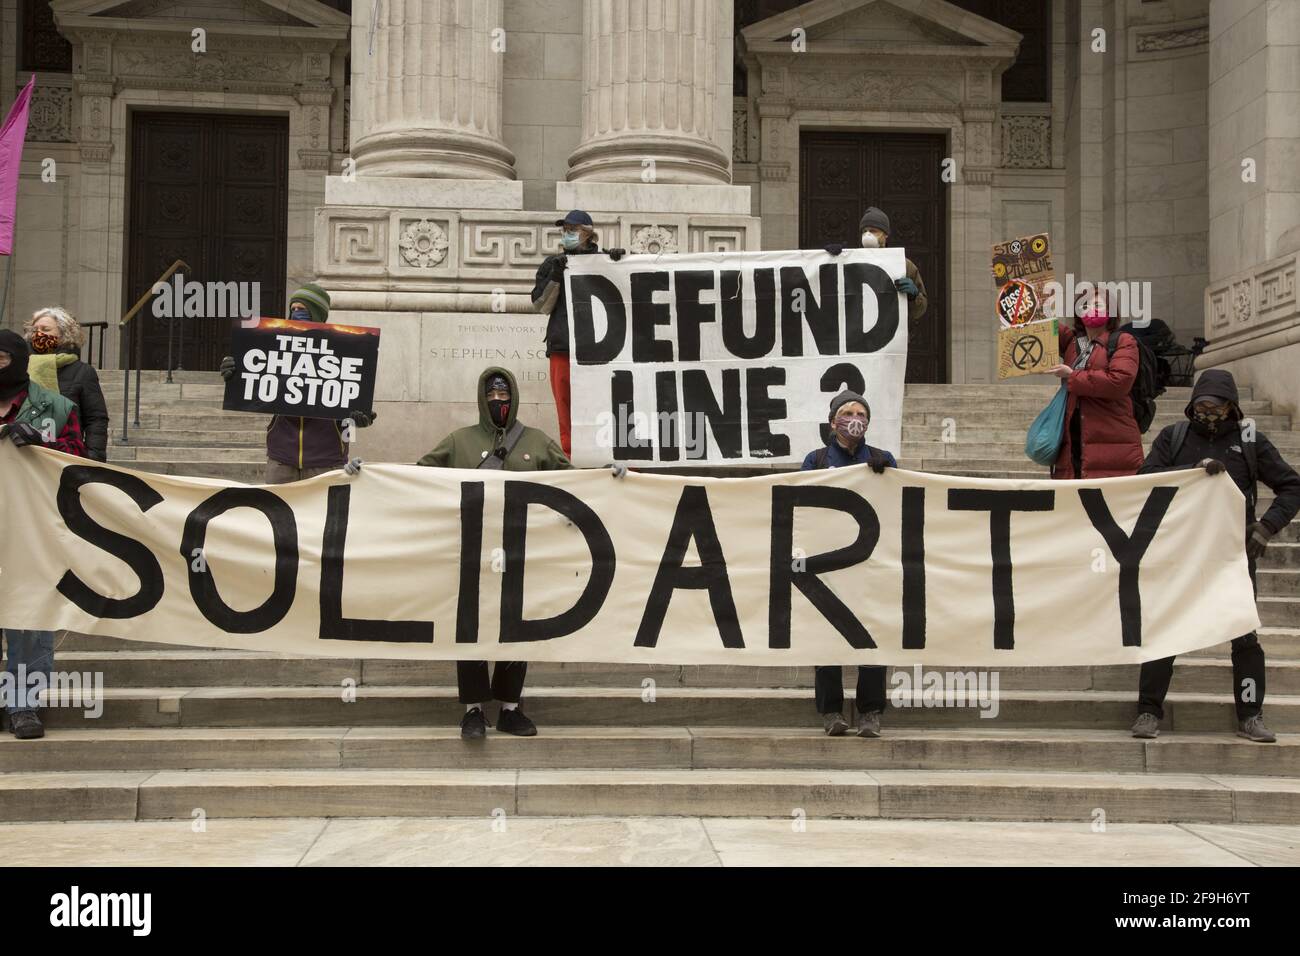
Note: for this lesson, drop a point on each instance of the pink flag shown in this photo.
(12, 135)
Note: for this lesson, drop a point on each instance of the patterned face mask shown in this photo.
(44, 343)
(1209, 421)
(849, 428)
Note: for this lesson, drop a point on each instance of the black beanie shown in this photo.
(13, 377)
(844, 397)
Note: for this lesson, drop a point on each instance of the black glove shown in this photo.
(1212, 466)
(1257, 538)
(558, 265)
(616, 253)
(227, 367)
(878, 461)
(363, 419)
(21, 433)
(834, 248)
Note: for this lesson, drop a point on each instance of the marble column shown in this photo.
(427, 91)
(650, 84)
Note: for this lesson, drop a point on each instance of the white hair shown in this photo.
(70, 335)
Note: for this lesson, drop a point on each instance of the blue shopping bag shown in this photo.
(1043, 441)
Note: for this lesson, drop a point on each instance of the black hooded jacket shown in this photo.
(1272, 469)
(79, 383)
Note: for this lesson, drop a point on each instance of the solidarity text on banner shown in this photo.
(836, 566)
(731, 357)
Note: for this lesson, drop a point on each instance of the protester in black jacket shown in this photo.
(577, 239)
(55, 333)
(1217, 438)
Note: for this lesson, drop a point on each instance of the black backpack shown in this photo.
(1147, 386)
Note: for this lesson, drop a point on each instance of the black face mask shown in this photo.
(1211, 424)
(499, 412)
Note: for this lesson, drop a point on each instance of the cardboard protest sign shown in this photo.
(731, 357)
(308, 369)
(1028, 349)
(1021, 269)
(834, 566)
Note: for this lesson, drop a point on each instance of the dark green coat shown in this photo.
(467, 447)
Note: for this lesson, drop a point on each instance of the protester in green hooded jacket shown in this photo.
(499, 441)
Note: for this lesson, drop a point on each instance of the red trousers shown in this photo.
(560, 389)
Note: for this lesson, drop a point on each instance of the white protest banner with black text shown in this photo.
(836, 566)
(311, 369)
(731, 357)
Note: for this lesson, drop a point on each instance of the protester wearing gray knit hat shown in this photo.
(874, 230)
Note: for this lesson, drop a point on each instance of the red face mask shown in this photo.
(43, 343)
(1095, 318)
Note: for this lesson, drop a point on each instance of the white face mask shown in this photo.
(869, 241)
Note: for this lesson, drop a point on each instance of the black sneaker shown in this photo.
(472, 725)
(514, 722)
(834, 724)
(25, 725)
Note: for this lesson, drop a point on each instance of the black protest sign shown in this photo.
(309, 369)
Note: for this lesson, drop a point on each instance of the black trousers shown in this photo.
(1247, 665)
(506, 685)
(829, 682)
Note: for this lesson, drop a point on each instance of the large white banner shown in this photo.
(731, 357)
(821, 567)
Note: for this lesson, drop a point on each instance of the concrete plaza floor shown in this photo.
(641, 841)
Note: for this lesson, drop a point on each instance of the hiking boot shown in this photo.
(1252, 728)
(869, 724)
(1147, 727)
(472, 725)
(835, 724)
(514, 722)
(25, 725)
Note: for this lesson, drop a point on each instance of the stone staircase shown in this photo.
(245, 734)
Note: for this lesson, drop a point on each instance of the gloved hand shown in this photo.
(353, 467)
(363, 419)
(878, 461)
(227, 367)
(21, 433)
(617, 469)
(616, 253)
(907, 287)
(1212, 466)
(1257, 538)
(558, 265)
(833, 248)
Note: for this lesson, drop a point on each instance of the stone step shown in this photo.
(130, 455)
(113, 377)
(1013, 401)
(220, 668)
(1280, 644)
(245, 472)
(1281, 554)
(160, 391)
(1279, 611)
(625, 706)
(220, 438)
(898, 794)
(995, 416)
(197, 418)
(683, 748)
(1278, 581)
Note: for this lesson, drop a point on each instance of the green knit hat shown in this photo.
(316, 299)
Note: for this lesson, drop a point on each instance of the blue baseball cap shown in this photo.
(575, 217)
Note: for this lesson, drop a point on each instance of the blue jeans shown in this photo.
(35, 649)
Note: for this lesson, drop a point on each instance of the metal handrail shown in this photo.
(134, 342)
(98, 332)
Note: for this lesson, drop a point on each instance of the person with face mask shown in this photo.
(577, 238)
(298, 447)
(1214, 438)
(874, 230)
(850, 417)
(1101, 437)
(31, 414)
(55, 338)
(498, 442)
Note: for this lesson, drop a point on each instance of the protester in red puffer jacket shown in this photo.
(1102, 438)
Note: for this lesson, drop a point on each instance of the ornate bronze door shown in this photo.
(211, 189)
(842, 173)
